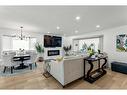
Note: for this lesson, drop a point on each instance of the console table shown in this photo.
(92, 76)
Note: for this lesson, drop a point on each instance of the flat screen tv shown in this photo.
(52, 41)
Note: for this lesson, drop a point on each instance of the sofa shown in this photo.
(67, 70)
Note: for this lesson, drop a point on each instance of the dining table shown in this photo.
(21, 58)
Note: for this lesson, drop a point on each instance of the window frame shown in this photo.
(91, 37)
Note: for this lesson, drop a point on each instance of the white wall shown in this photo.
(109, 42)
(67, 41)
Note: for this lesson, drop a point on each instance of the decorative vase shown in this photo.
(93, 56)
(40, 57)
(66, 54)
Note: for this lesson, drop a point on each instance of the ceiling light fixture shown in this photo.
(97, 26)
(21, 36)
(77, 18)
(57, 27)
(64, 34)
(76, 31)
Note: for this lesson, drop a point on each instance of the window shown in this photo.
(32, 43)
(6, 43)
(23, 44)
(96, 41)
(9, 43)
(88, 42)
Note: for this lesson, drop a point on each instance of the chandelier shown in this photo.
(21, 36)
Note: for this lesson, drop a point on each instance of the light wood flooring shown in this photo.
(35, 80)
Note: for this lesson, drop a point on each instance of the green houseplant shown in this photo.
(99, 51)
(40, 51)
(67, 49)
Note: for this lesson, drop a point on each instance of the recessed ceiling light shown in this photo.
(48, 32)
(77, 18)
(97, 26)
(76, 31)
(57, 27)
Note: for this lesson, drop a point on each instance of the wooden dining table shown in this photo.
(22, 58)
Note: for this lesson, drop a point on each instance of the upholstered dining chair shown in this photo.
(30, 51)
(7, 62)
(8, 52)
(32, 60)
(12, 52)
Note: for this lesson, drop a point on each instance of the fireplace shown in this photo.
(53, 52)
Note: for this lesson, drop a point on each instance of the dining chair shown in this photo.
(30, 51)
(8, 52)
(5, 52)
(7, 62)
(12, 52)
(32, 60)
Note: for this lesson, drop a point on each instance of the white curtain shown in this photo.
(6, 43)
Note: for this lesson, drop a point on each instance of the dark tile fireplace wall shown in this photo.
(53, 52)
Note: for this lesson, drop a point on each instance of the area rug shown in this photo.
(15, 72)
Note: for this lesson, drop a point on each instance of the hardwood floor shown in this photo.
(35, 80)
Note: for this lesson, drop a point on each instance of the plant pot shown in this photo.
(40, 57)
(66, 54)
(93, 56)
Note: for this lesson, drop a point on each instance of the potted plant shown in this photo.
(99, 51)
(67, 49)
(91, 51)
(40, 51)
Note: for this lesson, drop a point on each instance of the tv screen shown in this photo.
(52, 41)
(47, 41)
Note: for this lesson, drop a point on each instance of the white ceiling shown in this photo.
(44, 19)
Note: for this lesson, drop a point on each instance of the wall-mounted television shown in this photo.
(52, 41)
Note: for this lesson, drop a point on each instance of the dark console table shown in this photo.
(92, 76)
